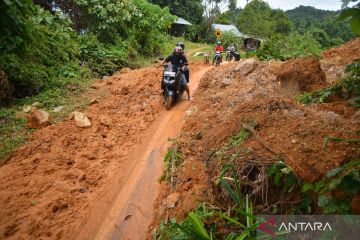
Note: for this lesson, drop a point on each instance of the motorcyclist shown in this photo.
(231, 51)
(187, 70)
(231, 48)
(218, 48)
(178, 59)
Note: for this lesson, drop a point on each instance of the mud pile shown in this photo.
(226, 100)
(301, 75)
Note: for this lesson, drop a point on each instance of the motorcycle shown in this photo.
(217, 58)
(236, 56)
(170, 85)
(229, 55)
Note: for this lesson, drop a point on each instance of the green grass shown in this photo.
(169, 47)
(167, 50)
(12, 132)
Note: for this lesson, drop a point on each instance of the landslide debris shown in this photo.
(231, 96)
(301, 75)
(335, 60)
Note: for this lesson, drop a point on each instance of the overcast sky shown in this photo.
(291, 4)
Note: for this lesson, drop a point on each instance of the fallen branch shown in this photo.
(262, 141)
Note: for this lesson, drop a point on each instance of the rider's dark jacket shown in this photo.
(177, 60)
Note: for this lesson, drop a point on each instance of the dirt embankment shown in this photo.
(49, 186)
(335, 60)
(301, 75)
(230, 96)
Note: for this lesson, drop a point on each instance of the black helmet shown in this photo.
(181, 44)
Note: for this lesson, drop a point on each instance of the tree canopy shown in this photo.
(191, 10)
(258, 19)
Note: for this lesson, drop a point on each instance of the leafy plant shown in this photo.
(283, 176)
(336, 191)
(15, 29)
(207, 223)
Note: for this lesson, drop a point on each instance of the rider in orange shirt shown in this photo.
(218, 48)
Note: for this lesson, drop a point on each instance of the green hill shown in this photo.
(307, 12)
(323, 24)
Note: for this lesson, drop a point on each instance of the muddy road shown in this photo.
(98, 182)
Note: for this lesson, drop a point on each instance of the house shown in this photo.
(178, 27)
(251, 44)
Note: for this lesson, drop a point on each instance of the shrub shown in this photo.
(284, 47)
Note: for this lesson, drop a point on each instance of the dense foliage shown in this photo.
(73, 40)
(192, 11)
(283, 47)
(258, 19)
(45, 55)
(229, 38)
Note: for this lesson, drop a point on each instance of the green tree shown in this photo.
(15, 29)
(281, 22)
(353, 14)
(321, 36)
(232, 5)
(258, 19)
(54, 55)
(191, 10)
(228, 17)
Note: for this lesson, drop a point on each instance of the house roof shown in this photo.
(182, 21)
(229, 28)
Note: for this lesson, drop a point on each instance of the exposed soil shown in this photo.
(227, 100)
(66, 178)
(301, 75)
